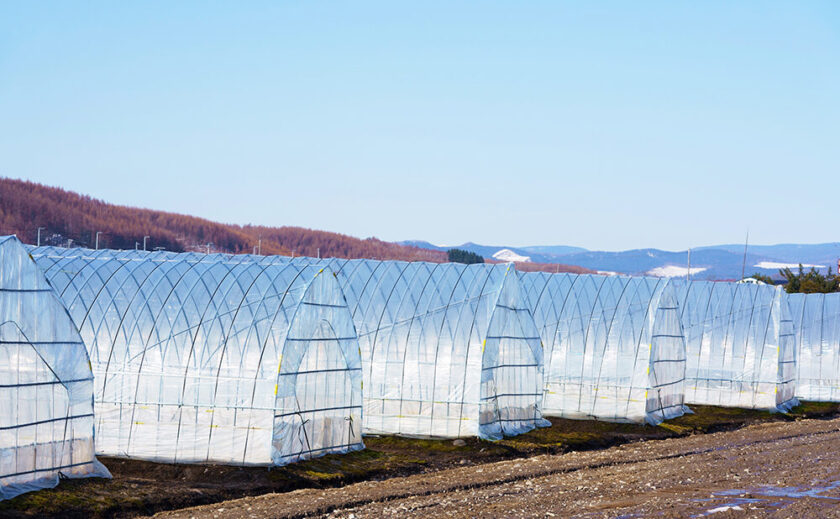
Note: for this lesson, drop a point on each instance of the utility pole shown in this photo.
(319, 252)
(144, 241)
(96, 247)
(744, 263)
(259, 246)
(39, 235)
(688, 274)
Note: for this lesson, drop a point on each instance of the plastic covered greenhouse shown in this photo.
(740, 345)
(213, 358)
(614, 345)
(816, 321)
(449, 350)
(46, 385)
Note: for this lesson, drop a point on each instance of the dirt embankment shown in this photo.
(770, 469)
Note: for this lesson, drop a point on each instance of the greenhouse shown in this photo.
(448, 350)
(740, 345)
(614, 346)
(46, 385)
(213, 358)
(816, 321)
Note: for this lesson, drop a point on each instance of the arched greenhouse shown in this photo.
(614, 346)
(816, 321)
(448, 350)
(740, 345)
(46, 385)
(213, 358)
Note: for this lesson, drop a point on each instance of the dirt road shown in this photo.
(774, 469)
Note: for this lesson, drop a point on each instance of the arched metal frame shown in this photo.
(816, 321)
(740, 345)
(614, 345)
(46, 384)
(449, 350)
(213, 358)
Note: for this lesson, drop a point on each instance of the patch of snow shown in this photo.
(673, 271)
(509, 255)
(724, 509)
(607, 273)
(776, 265)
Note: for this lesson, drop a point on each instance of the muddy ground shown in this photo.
(460, 479)
(763, 470)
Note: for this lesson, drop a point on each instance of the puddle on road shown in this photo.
(779, 497)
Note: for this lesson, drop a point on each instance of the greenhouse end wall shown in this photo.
(816, 319)
(46, 384)
(740, 345)
(614, 346)
(448, 350)
(213, 359)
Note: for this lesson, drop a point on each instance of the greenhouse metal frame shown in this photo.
(816, 321)
(614, 345)
(213, 358)
(740, 345)
(449, 350)
(46, 384)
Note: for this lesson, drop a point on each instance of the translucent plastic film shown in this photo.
(46, 384)
(740, 345)
(448, 350)
(614, 346)
(213, 358)
(816, 319)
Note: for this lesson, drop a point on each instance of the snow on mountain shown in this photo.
(509, 255)
(673, 271)
(778, 265)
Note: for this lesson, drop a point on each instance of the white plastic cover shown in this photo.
(448, 350)
(212, 358)
(816, 320)
(740, 345)
(46, 385)
(614, 346)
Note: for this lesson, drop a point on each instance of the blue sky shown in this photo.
(606, 125)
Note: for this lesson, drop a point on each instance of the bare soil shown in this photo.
(143, 488)
(763, 470)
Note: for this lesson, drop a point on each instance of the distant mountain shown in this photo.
(534, 254)
(714, 262)
(554, 249)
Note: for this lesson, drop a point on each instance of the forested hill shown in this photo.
(64, 216)
(68, 218)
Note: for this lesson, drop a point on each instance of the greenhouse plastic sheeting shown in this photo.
(448, 350)
(614, 346)
(740, 345)
(213, 358)
(46, 385)
(816, 321)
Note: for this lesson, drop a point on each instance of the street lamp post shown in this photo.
(39, 235)
(144, 241)
(208, 247)
(97, 240)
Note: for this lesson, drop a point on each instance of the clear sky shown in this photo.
(608, 125)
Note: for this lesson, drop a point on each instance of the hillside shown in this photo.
(65, 215)
(70, 218)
